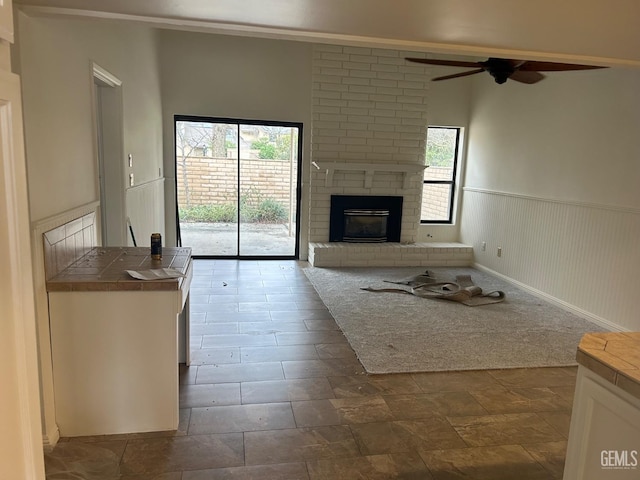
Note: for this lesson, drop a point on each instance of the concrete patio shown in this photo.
(221, 239)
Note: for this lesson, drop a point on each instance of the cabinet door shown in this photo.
(605, 428)
(6, 20)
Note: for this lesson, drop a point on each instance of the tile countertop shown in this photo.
(613, 356)
(104, 269)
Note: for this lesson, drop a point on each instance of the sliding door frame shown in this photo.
(298, 192)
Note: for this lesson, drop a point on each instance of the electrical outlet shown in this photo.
(484, 246)
(499, 251)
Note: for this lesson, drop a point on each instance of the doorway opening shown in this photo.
(107, 107)
(238, 187)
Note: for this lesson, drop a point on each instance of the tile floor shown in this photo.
(275, 392)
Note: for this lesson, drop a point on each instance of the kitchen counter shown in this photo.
(104, 269)
(614, 357)
(117, 341)
(605, 420)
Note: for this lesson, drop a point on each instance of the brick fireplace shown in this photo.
(368, 139)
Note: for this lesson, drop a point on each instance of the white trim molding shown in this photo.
(104, 76)
(22, 456)
(604, 323)
(601, 206)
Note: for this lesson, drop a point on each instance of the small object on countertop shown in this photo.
(156, 274)
(156, 246)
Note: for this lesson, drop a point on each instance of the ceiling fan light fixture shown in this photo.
(500, 76)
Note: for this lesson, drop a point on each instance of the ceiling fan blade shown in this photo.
(458, 75)
(533, 66)
(444, 63)
(526, 77)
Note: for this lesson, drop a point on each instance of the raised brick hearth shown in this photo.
(337, 254)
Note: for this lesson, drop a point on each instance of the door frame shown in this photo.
(20, 408)
(109, 151)
(298, 192)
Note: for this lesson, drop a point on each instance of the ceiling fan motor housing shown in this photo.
(500, 69)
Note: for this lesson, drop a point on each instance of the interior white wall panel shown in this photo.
(145, 210)
(583, 256)
(59, 129)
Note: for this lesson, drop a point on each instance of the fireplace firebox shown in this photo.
(365, 218)
(365, 225)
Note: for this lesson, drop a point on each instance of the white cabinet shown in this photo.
(115, 361)
(115, 343)
(604, 437)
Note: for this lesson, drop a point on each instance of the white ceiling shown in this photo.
(581, 31)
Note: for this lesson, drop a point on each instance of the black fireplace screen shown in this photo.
(365, 225)
(365, 218)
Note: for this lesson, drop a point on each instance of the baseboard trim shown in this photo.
(50, 440)
(601, 322)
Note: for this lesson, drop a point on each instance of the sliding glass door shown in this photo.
(237, 187)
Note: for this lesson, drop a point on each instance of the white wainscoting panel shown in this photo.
(145, 209)
(583, 257)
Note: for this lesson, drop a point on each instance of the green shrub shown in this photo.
(270, 211)
(218, 213)
(265, 211)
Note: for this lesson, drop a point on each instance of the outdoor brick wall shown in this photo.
(369, 106)
(435, 198)
(214, 180)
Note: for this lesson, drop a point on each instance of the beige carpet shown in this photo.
(394, 333)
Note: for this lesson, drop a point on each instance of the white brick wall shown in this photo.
(390, 255)
(369, 106)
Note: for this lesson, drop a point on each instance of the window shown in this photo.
(438, 190)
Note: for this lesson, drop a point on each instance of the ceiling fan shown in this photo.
(502, 69)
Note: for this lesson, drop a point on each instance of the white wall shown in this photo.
(233, 77)
(55, 57)
(553, 139)
(448, 105)
(552, 177)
